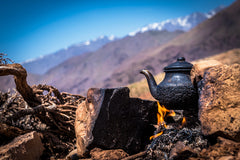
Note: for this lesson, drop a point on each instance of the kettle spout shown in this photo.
(151, 83)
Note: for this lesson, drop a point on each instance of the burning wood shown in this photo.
(169, 138)
(162, 113)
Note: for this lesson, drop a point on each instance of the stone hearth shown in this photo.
(127, 123)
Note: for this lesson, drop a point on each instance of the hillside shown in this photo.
(79, 73)
(42, 64)
(140, 89)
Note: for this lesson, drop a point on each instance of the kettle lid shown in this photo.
(179, 65)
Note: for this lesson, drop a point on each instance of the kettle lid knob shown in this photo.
(181, 59)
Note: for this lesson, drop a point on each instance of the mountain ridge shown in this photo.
(184, 23)
(101, 63)
(42, 64)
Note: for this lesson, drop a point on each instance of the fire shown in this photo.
(156, 135)
(171, 113)
(184, 121)
(162, 112)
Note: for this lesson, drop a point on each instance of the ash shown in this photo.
(178, 143)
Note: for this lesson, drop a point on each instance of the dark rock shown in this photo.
(123, 122)
(219, 102)
(99, 154)
(27, 147)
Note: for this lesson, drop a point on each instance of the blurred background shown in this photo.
(75, 45)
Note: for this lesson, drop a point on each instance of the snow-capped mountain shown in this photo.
(100, 40)
(42, 64)
(182, 23)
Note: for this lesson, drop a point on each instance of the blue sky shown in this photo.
(31, 28)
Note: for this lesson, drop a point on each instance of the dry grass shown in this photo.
(140, 89)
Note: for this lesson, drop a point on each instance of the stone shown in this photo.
(226, 158)
(178, 147)
(86, 115)
(99, 154)
(200, 67)
(72, 155)
(224, 149)
(27, 147)
(219, 102)
(110, 119)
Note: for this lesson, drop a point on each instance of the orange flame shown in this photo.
(156, 135)
(184, 121)
(162, 112)
(171, 113)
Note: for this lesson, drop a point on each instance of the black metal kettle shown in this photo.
(176, 91)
